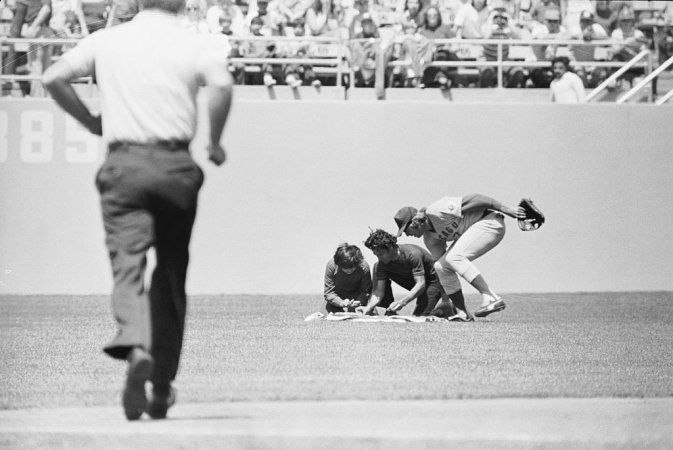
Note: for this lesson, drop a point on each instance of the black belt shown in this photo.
(171, 145)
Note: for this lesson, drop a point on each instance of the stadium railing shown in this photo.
(330, 57)
(663, 66)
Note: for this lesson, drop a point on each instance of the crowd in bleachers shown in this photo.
(393, 39)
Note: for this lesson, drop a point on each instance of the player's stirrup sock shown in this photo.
(458, 300)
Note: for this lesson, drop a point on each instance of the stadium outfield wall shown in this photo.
(301, 177)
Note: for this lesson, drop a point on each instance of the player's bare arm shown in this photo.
(419, 287)
(57, 80)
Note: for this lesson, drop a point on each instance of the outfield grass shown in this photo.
(259, 348)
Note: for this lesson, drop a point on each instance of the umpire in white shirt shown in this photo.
(148, 73)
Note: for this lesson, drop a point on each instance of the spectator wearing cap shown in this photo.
(566, 87)
(355, 25)
(298, 74)
(265, 73)
(539, 9)
(552, 29)
(364, 50)
(632, 40)
(571, 12)
(588, 31)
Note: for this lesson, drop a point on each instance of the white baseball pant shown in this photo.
(474, 242)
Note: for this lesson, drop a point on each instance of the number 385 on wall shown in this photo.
(37, 136)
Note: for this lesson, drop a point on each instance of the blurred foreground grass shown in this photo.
(259, 348)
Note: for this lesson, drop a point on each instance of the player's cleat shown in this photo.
(492, 307)
(161, 400)
(139, 370)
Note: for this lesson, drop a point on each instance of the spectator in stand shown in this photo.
(483, 12)
(194, 16)
(348, 13)
(348, 280)
(498, 27)
(225, 24)
(571, 14)
(566, 87)
(249, 10)
(67, 19)
(121, 11)
(95, 14)
(411, 47)
(466, 24)
(387, 19)
(412, 11)
(284, 12)
(605, 15)
(540, 7)
(228, 8)
(355, 26)
(552, 29)
(589, 31)
(633, 41)
(364, 49)
(298, 74)
(322, 18)
(30, 20)
(434, 28)
(264, 73)
(270, 25)
(511, 7)
(665, 38)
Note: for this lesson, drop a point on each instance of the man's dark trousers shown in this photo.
(148, 198)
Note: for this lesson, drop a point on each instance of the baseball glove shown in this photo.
(534, 217)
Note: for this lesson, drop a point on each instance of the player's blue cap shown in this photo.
(403, 217)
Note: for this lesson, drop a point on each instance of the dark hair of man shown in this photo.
(563, 60)
(380, 240)
(347, 256)
(173, 6)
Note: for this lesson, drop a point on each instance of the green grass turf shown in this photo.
(259, 348)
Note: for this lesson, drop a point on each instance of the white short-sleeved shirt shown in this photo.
(568, 89)
(148, 72)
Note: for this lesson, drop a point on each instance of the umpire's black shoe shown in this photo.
(139, 370)
(161, 400)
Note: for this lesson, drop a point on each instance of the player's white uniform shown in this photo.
(470, 234)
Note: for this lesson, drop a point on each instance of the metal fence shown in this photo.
(332, 56)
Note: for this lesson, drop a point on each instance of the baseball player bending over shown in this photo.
(458, 230)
